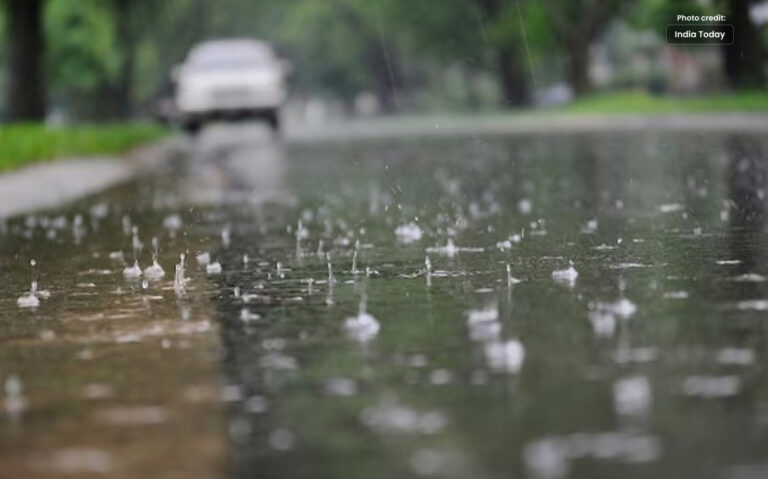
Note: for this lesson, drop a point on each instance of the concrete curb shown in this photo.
(527, 124)
(50, 184)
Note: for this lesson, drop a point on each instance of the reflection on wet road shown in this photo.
(585, 306)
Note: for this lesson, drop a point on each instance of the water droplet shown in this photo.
(712, 386)
(154, 272)
(505, 356)
(331, 278)
(511, 281)
(632, 396)
(203, 258)
(408, 233)
(282, 439)
(132, 271)
(213, 268)
(566, 276)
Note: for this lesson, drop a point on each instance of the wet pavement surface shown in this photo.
(545, 306)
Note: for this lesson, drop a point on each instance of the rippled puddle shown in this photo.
(109, 375)
(581, 306)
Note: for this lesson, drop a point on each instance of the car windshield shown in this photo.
(229, 55)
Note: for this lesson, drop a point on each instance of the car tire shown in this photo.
(273, 120)
(192, 127)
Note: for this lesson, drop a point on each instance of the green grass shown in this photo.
(26, 143)
(640, 102)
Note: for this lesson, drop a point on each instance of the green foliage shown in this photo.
(81, 45)
(640, 102)
(3, 60)
(657, 14)
(331, 45)
(2, 32)
(441, 52)
(422, 25)
(26, 143)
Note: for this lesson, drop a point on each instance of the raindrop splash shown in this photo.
(362, 327)
(567, 276)
(155, 271)
(132, 272)
(179, 281)
(331, 278)
(14, 397)
(213, 268)
(31, 299)
(511, 281)
(354, 263)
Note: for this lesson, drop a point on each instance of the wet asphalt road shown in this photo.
(585, 305)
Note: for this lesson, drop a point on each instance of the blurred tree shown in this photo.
(169, 29)
(108, 59)
(26, 81)
(83, 59)
(343, 47)
(504, 37)
(657, 14)
(126, 43)
(743, 61)
(465, 50)
(578, 23)
(3, 55)
(503, 17)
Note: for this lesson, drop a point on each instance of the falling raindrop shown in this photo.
(172, 223)
(136, 245)
(225, 237)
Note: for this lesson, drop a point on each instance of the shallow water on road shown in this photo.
(585, 306)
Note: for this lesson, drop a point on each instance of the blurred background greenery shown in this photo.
(85, 60)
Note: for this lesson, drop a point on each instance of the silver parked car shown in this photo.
(230, 79)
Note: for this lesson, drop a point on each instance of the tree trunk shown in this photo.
(126, 41)
(513, 80)
(742, 61)
(472, 98)
(386, 76)
(512, 77)
(578, 67)
(26, 82)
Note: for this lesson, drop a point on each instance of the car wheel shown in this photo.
(273, 120)
(192, 127)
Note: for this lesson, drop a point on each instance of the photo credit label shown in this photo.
(700, 34)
